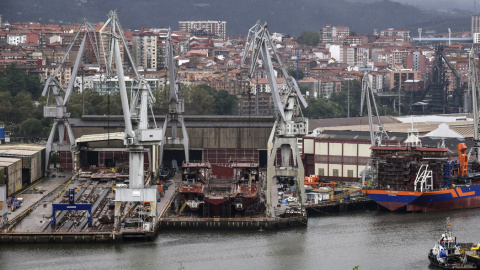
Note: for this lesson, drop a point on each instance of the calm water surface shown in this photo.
(373, 240)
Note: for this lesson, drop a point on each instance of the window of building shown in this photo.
(321, 172)
(335, 172)
(350, 173)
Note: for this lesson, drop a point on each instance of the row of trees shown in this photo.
(22, 110)
(200, 99)
(338, 104)
(21, 103)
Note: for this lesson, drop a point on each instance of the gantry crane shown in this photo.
(289, 123)
(376, 135)
(53, 87)
(138, 134)
(175, 106)
(473, 89)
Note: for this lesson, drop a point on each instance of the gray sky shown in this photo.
(436, 4)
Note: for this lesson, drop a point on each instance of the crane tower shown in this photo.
(175, 106)
(289, 124)
(138, 135)
(58, 108)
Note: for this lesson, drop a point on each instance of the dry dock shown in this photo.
(32, 221)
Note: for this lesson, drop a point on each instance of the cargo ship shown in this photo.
(416, 178)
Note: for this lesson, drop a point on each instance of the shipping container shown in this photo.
(40, 156)
(11, 170)
(32, 169)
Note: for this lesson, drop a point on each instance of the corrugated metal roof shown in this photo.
(32, 147)
(6, 164)
(101, 137)
(395, 137)
(347, 123)
(466, 132)
(17, 152)
(193, 121)
(9, 159)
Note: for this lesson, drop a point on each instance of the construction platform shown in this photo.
(32, 221)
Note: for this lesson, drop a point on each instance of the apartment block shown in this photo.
(334, 34)
(218, 28)
(144, 49)
(402, 33)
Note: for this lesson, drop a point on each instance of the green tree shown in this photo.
(322, 108)
(109, 104)
(15, 80)
(161, 95)
(293, 73)
(5, 106)
(224, 103)
(309, 38)
(341, 98)
(31, 127)
(75, 106)
(201, 99)
(23, 107)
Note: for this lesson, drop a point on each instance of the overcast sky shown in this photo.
(437, 4)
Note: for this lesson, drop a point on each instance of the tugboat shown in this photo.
(447, 254)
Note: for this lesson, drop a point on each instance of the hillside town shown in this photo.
(205, 54)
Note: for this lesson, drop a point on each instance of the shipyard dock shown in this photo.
(32, 221)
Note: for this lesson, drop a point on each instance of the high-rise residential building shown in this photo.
(476, 28)
(218, 28)
(417, 61)
(475, 24)
(335, 34)
(144, 50)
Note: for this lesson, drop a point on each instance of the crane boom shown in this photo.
(58, 109)
(376, 136)
(473, 89)
(175, 106)
(138, 135)
(289, 123)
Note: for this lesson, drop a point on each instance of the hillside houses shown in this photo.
(390, 56)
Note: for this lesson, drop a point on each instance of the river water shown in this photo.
(371, 239)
